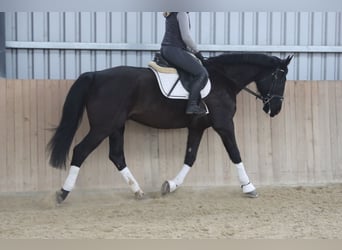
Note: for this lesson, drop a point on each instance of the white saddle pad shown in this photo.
(166, 83)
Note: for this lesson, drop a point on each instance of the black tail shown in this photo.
(73, 109)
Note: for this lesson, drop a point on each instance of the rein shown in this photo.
(258, 96)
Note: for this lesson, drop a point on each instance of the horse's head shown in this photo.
(272, 86)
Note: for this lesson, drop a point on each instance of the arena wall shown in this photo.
(300, 146)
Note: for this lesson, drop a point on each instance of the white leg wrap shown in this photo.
(172, 185)
(242, 175)
(70, 181)
(179, 179)
(246, 185)
(130, 180)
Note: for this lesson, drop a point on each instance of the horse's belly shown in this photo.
(161, 121)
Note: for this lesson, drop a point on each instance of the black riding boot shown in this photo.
(194, 107)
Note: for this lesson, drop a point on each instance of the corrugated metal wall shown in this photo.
(116, 38)
(2, 45)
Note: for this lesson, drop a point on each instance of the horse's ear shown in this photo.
(288, 59)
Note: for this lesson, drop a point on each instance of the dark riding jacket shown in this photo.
(177, 32)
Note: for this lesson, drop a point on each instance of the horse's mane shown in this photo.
(247, 58)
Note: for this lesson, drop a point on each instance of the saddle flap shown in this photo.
(172, 87)
(173, 83)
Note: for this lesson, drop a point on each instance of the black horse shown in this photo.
(115, 95)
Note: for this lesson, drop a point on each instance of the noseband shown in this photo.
(269, 96)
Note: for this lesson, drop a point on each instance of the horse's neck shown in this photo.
(241, 75)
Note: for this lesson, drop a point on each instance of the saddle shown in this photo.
(173, 83)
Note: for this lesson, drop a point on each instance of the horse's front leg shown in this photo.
(194, 139)
(227, 134)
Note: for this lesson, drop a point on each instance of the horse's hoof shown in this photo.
(168, 187)
(165, 188)
(59, 198)
(249, 190)
(252, 194)
(139, 195)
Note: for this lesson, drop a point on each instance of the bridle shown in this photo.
(269, 96)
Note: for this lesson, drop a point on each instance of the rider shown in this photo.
(175, 48)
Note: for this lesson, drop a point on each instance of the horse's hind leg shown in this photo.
(80, 153)
(117, 156)
(194, 139)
